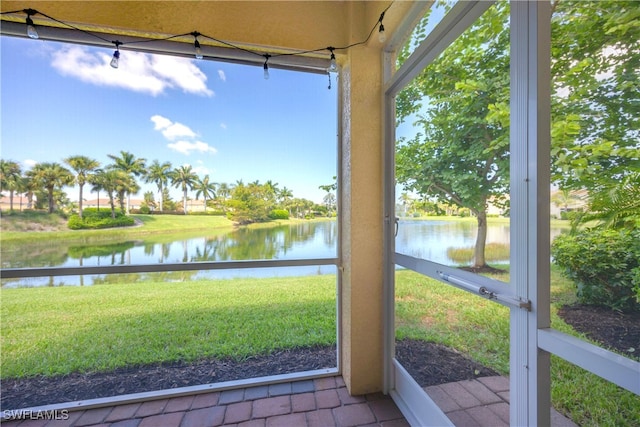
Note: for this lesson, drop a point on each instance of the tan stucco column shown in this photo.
(361, 214)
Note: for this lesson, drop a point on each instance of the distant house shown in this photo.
(103, 203)
(20, 202)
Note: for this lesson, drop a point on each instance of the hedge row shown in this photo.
(605, 264)
(94, 219)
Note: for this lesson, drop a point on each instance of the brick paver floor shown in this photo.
(321, 402)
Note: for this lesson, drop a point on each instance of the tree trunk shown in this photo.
(50, 199)
(184, 202)
(481, 239)
(161, 197)
(11, 200)
(80, 203)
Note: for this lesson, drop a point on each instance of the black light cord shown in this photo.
(31, 12)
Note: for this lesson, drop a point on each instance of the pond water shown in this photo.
(317, 239)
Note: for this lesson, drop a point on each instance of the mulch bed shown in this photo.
(433, 364)
(429, 363)
(37, 391)
(612, 329)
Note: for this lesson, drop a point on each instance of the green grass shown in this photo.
(14, 227)
(429, 310)
(53, 331)
(493, 252)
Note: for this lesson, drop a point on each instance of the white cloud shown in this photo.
(201, 170)
(29, 163)
(223, 126)
(139, 72)
(222, 75)
(171, 130)
(186, 147)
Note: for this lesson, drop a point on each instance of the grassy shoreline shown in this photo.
(148, 226)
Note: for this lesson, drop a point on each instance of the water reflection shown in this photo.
(427, 239)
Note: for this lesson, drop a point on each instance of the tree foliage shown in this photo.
(83, 166)
(460, 104)
(51, 176)
(596, 92)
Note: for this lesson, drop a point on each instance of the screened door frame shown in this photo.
(532, 340)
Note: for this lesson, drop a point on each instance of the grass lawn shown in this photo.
(16, 227)
(52, 331)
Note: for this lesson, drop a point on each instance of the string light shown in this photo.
(333, 66)
(116, 55)
(266, 66)
(382, 37)
(31, 29)
(196, 44)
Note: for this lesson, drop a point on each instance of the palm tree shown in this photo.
(83, 166)
(185, 178)
(617, 206)
(126, 184)
(112, 181)
(223, 193)
(127, 162)
(271, 190)
(158, 173)
(29, 186)
(10, 175)
(206, 188)
(96, 180)
(284, 196)
(563, 198)
(51, 176)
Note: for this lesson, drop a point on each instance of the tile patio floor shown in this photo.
(320, 402)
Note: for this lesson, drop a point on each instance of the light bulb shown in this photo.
(31, 29)
(198, 50)
(115, 59)
(333, 66)
(266, 71)
(382, 37)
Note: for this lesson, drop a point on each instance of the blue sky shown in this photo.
(225, 120)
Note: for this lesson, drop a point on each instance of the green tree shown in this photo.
(249, 203)
(158, 174)
(149, 200)
(459, 101)
(616, 206)
(184, 178)
(29, 188)
(284, 196)
(83, 166)
(564, 198)
(461, 106)
(595, 92)
(10, 178)
(329, 199)
(128, 163)
(114, 182)
(223, 193)
(205, 188)
(51, 177)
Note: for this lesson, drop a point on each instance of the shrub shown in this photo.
(75, 223)
(101, 219)
(279, 214)
(605, 264)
